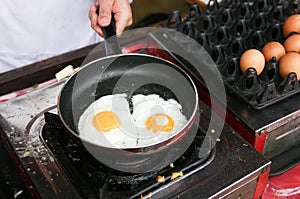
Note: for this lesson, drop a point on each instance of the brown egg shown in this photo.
(291, 24)
(252, 58)
(289, 63)
(273, 49)
(292, 43)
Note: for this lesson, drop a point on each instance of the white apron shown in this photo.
(33, 30)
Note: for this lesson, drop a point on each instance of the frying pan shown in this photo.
(130, 74)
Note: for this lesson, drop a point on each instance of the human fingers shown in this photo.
(123, 15)
(93, 16)
(105, 12)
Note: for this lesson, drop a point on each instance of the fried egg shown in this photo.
(162, 118)
(108, 121)
(101, 122)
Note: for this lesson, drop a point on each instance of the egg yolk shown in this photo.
(160, 122)
(106, 121)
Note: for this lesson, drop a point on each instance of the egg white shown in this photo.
(114, 138)
(132, 131)
(145, 106)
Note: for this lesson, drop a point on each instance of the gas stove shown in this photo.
(42, 162)
(50, 165)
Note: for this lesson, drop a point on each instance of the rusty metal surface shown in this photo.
(21, 121)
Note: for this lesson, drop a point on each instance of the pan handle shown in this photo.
(110, 30)
(112, 46)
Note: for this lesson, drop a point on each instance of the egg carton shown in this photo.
(227, 29)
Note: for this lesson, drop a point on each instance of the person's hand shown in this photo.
(122, 14)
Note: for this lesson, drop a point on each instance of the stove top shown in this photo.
(94, 179)
(52, 165)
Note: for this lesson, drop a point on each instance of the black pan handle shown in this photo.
(110, 30)
(112, 46)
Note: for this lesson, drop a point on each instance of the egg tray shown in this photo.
(228, 29)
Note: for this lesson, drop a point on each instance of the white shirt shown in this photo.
(33, 30)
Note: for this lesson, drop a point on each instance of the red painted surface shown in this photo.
(261, 184)
(134, 48)
(257, 141)
(284, 186)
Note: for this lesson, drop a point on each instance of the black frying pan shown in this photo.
(131, 74)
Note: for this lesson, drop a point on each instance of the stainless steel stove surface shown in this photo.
(50, 165)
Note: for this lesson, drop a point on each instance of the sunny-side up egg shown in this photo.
(108, 122)
(102, 122)
(158, 117)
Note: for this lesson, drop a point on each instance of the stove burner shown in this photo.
(93, 178)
